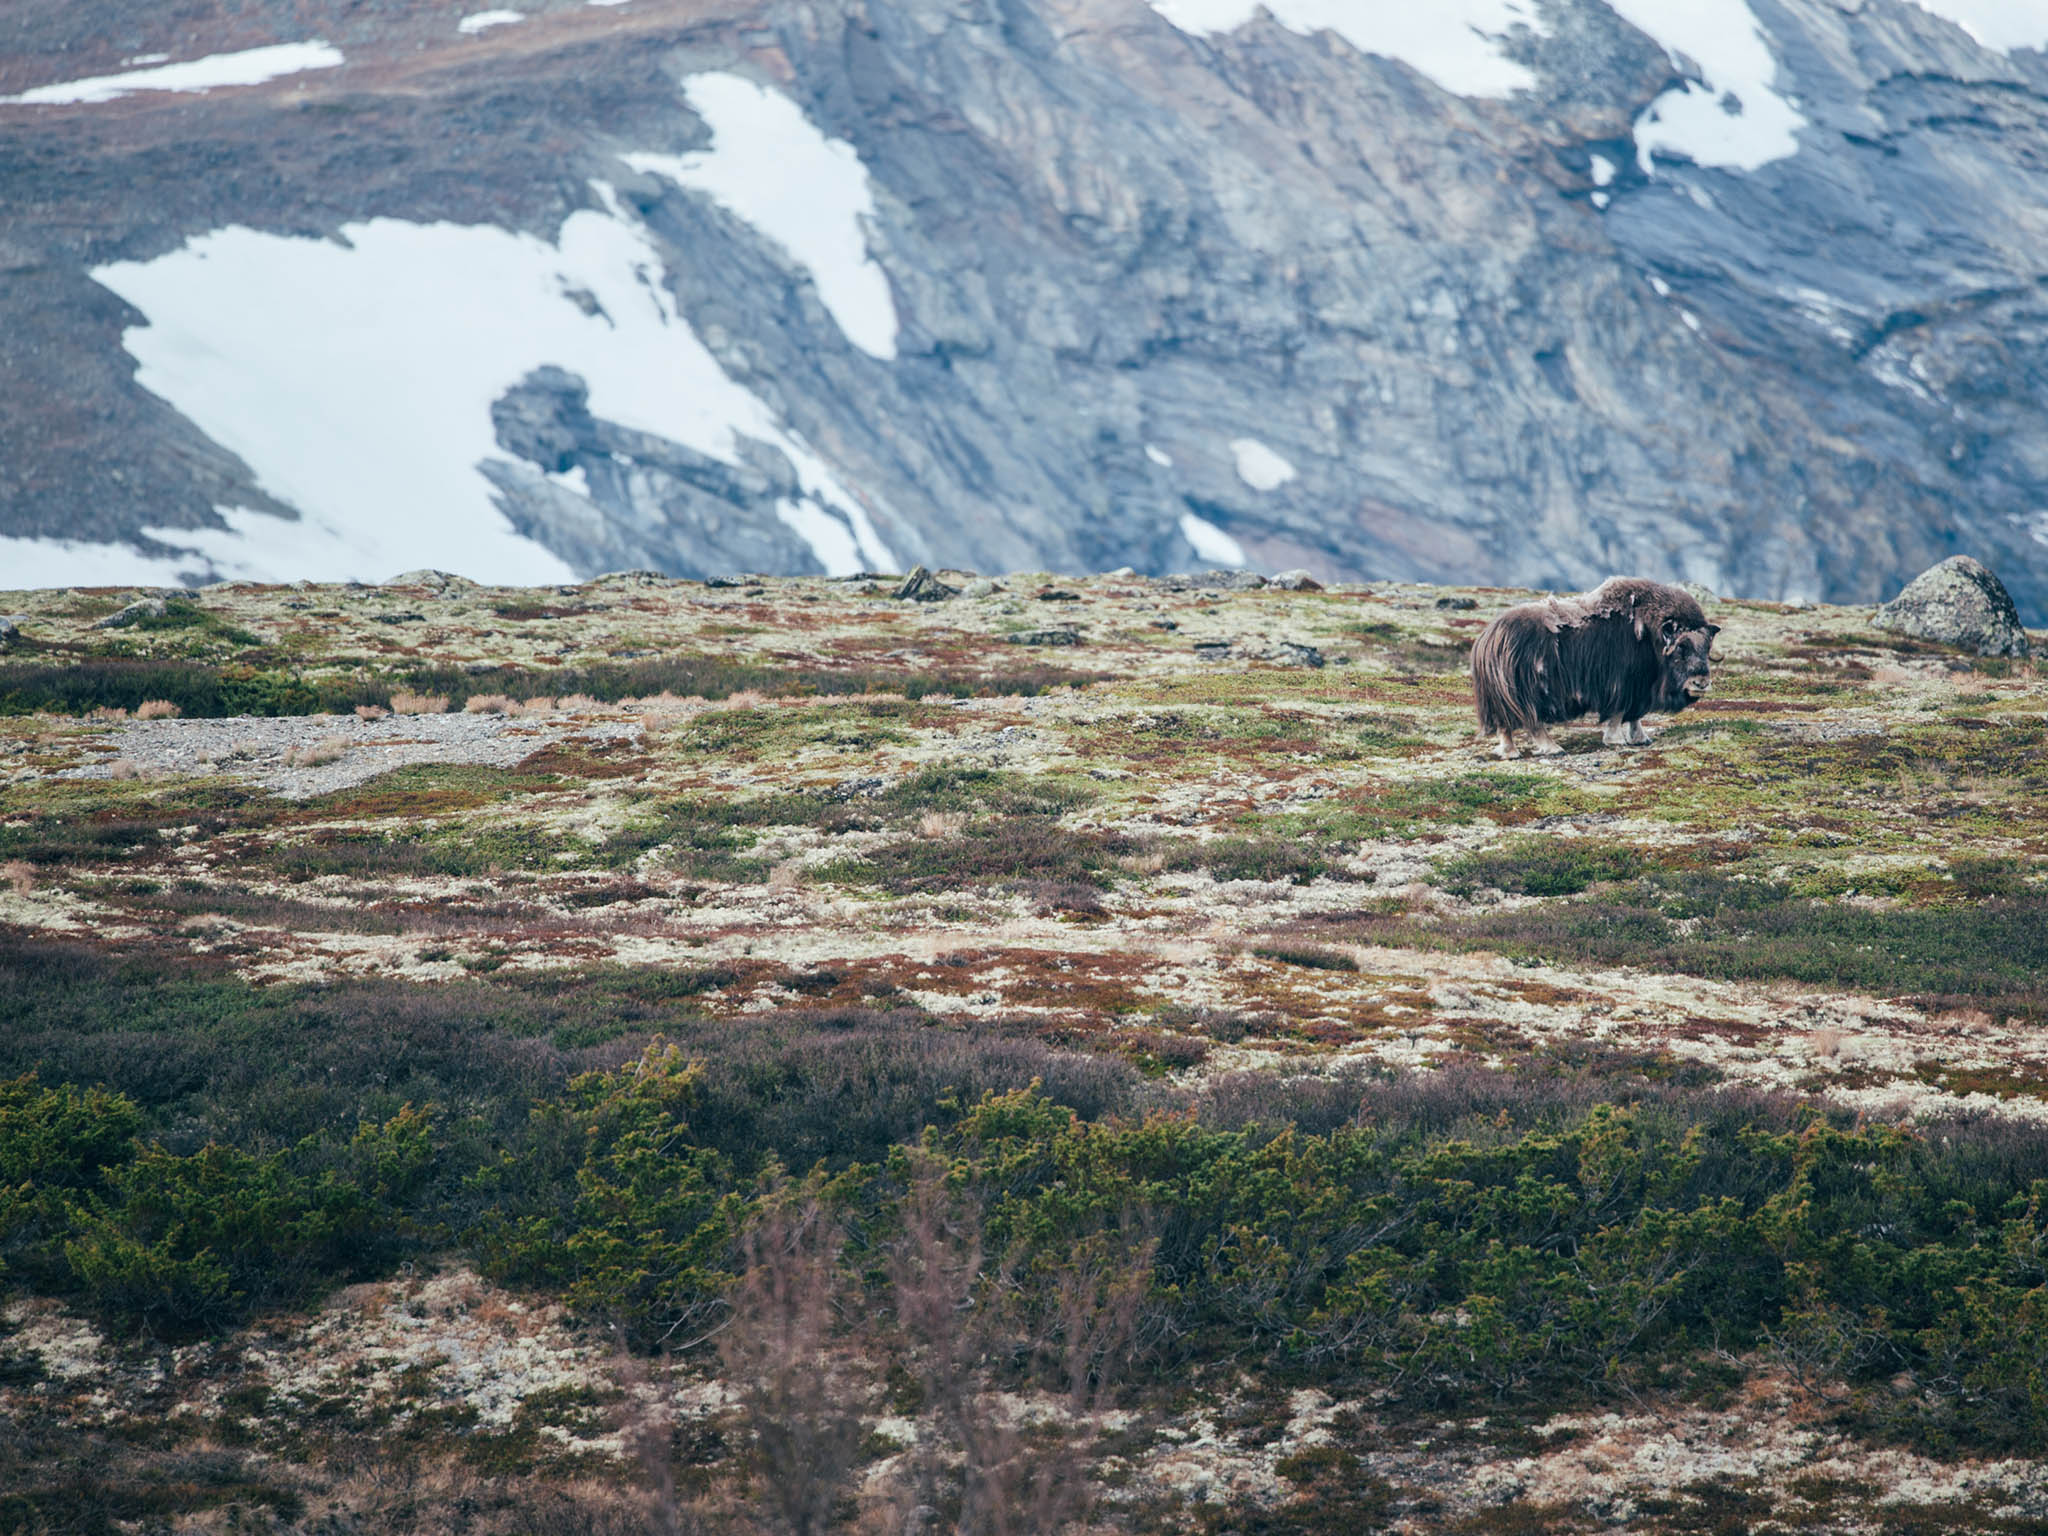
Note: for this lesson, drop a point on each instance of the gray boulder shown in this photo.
(921, 586)
(1961, 603)
(10, 628)
(147, 608)
(439, 581)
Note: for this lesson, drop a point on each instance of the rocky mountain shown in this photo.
(1510, 291)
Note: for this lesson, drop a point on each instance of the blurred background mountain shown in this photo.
(1512, 291)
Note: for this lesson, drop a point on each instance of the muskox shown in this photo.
(1622, 651)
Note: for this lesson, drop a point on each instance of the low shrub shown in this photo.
(1035, 851)
(1311, 956)
(1541, 866)
(1705, 924)
(1538, 1237)
(1251, 858)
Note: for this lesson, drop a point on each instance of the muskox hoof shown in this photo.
(1505, 747)
(1545, 746)
(1638, 735)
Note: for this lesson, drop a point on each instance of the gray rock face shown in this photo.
(643, 500)
(1494, 341)
(1959, 603)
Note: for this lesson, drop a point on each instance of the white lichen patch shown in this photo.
(69, 1349)
(301, 756)
(452, 1341)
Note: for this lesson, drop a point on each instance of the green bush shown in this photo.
(1538, 1267)
(1461, 1235)
(648, 1241)
(152, 1237)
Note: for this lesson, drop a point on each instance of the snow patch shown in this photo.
(478, 21)
(252, 66)
(1456, 43)
(30, 563)
(1259, 466)
(2000, 24)
(356, 376)
(1159, 456)
(1211, 542)
(770, 165)
(1735, 120)
(830, 539)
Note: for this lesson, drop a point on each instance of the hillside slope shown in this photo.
(724, 1056)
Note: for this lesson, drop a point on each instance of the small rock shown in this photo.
(1166, 624)
(1700, 591)
(147, 608)
(1296, 581)
(981, 586)
(1057, 595)
(1222, 581)
(10, 628)
(865, 787)
(719, 581)
(1461, 604)
(1212, 650)
(921, 586)
(1961, 603)
(440, 581)
(1060, 636)
(1288, 653)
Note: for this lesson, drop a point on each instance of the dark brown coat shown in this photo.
(1626, 649)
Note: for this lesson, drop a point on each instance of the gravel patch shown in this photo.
(299, 756)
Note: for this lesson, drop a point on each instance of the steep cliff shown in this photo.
(1748, 295)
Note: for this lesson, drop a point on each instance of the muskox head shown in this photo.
(1683, 651)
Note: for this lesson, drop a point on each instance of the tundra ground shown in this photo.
(413, 869)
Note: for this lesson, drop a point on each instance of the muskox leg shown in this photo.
(1637, 734)
(1542, 743)
(1616, 732)
(1505, 747)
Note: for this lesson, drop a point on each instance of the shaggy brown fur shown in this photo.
(1621, 651)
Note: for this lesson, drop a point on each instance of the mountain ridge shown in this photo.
(1490, 337)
